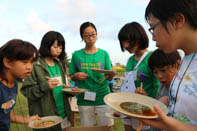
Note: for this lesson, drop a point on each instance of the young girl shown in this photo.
(133, 38)
(16, 61)
(44, 86)
(91, 102)
(174, 26)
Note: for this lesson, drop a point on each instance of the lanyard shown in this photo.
(141, 59)
(179, 81)
(86, 68)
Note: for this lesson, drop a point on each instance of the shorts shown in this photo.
(65, 123)
(88, 115)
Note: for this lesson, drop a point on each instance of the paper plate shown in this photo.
(110, 114)
(103, 71)
(69, 90)
(56, 119)
(114, 100)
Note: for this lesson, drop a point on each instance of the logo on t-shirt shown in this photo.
(98, 65)
(7, 106)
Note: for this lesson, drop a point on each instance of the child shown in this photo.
(16, 62)
(91, 102)
(164, 67)
(134, 39)
(44, 86)
(174, 26)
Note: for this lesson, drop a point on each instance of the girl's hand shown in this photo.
(116, 114)
(32, 118)
(163, 122)
(52, 83)
(79, 76)
(110, 76)
(141, 91)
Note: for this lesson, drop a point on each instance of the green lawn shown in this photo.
(21, 108)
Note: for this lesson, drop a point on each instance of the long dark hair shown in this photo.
(48, 40)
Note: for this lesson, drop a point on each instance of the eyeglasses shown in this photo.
(89, 36)
(151, 29)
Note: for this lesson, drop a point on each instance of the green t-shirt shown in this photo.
(54, 71)
(151, 84)
(83, 62)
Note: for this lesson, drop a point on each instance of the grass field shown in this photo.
(21, 108)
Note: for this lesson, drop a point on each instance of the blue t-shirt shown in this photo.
(7, 103)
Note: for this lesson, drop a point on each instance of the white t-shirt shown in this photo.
(185, 107)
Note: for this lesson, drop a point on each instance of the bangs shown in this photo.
(123, 35)
(26, 52)
(61, 42)
(19, 50)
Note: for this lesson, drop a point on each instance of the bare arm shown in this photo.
(110, 76)
(21, 119)
(167, 123)
(79, 76)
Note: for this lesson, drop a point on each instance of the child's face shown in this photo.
(166, 41)
(126, 45)
(56, 49)
(89, 36)
(21, 68)
(165, 74)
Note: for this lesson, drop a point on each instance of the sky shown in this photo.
(29, 20)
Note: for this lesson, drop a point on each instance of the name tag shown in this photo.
(91, 96)
(59, 78)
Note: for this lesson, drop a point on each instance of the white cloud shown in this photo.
(76, 9)
(107, 35)
(139, 1)
(36, 23)
(2, 9)
(75, 12)
(2, 12)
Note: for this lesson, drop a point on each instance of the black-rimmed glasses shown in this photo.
(151, 29)
(89, 36)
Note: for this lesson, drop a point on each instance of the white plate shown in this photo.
(103, 71)
(114, 100)
(110, 114)
(56, 119)
(69, 90)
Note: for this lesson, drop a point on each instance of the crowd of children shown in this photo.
(167, 78)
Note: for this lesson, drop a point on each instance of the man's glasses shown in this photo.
(89, 36)
(151, 29)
